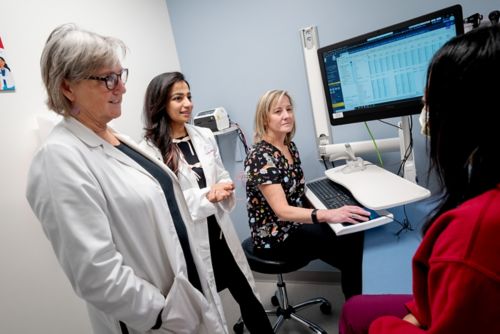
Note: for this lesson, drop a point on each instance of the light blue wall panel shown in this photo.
(233, 50)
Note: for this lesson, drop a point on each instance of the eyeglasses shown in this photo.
(111, 80)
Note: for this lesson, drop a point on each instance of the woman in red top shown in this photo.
(456, 270)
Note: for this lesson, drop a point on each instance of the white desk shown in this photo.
(377, 188)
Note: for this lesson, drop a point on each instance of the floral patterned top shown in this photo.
(265, 164)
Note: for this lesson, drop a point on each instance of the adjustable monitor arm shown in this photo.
(347, 151)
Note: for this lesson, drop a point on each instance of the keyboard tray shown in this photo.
(323, 193)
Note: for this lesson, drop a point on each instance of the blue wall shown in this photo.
(232, 51)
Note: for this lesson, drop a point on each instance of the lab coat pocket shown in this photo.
(186, 311)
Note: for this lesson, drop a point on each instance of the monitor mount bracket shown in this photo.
(348, 151)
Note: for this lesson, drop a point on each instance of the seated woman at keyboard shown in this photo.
(280, 225)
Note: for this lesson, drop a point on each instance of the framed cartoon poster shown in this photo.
(6, 78)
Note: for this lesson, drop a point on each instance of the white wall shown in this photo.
(35, 296)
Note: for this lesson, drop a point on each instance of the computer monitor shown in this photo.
(382, 74)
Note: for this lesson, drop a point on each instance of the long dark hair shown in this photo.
(463, 84)
(5, 63)
(156, 120)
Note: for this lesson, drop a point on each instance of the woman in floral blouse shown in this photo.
(280, 224)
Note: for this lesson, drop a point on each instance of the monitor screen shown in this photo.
(382, 74)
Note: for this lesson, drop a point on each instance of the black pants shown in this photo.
(228, 275)
(318, 241)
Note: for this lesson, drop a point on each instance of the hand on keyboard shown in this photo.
(345, 214)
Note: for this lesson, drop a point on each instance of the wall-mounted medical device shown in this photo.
(215, 119)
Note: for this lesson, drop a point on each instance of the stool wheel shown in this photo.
(326, 308)
(239, 327)
(275, 301)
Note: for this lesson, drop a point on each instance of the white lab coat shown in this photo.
(200, 207)
(111, 230)
(6, 79)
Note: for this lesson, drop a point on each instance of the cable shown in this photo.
(394, 125)
(405, 224)
(408, 149)
(241, 137)
(374, 144)
(324, 162)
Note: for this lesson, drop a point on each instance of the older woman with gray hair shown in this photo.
(114, 215)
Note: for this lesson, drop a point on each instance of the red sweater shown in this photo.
(456, 273)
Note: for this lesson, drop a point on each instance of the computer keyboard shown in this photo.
(325, 193)
(331, 194)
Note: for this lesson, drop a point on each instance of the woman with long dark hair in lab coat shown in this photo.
(192, 153)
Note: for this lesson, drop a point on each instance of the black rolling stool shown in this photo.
(283, 310)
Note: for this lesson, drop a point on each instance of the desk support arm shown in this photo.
(334, 152)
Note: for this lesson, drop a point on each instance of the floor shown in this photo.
(298, 291)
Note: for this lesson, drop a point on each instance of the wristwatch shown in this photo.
(314, 216)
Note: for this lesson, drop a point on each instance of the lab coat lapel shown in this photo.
(147, 154)
(95, 142)
(201, 146)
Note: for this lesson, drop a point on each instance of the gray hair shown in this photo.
(74, 54)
